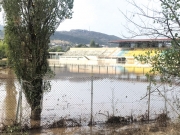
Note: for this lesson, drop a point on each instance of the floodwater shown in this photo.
(85, 130)
(8, 97)
(76, 95)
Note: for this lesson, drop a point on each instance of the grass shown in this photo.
(14, 129)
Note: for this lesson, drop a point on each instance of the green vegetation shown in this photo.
(3, 63)
(166, 62)
(93, 44)
(67, 49)
(56, 49)
(3, 54)
(162, 22)
(29, 25)
(83, 37)
(14, 129)
(80, 37)
(81, 46)
(3, 50)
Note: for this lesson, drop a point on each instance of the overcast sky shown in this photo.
(100, 15)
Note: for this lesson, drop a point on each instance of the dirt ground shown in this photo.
(6, 73)
(161, 127)
(134, 129)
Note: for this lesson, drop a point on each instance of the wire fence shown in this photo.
(90, 98)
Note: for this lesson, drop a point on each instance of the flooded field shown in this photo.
(76, 95)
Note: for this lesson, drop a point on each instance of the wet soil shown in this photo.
(108, 130)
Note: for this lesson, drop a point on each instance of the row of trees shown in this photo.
(56, 49)
(4, 50)
(92, 44)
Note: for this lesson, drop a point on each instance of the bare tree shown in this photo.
(159, 22)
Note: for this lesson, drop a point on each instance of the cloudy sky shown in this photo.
(100, 15)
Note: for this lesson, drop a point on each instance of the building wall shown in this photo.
(103, 56)
(79, 60)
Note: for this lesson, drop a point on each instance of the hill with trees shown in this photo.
(78, 36)
(83, 37)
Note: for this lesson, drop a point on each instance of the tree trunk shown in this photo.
(33, 93)
(35, 124)
(36, 114)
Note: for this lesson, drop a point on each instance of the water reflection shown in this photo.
(80, 73)
(57, 131)
(112, 70)
(10, 99)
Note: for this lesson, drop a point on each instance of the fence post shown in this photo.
(113, 103)
(99, 69)
(19, 106)
(143, 70)
(78, 68)
(17, 110)
(165, 104)
(21, 103)
(149, 97)
(92, 69)
(91, 120)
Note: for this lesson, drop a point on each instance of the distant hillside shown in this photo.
(78, 36)
(83, 37)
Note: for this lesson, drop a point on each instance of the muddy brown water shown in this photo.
(70, 97)
(95, 130)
